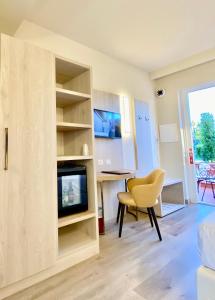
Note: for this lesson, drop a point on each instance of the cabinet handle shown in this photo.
(6, 150)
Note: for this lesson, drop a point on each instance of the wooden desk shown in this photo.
(102, 177)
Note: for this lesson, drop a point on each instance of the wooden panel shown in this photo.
(65, 126)
(74, 141)
(59, 112)
(76, 237)
(110, 149)
(68, 157)
(66, 97)
(110, 152)
(71, 219)
(78, 113)
(71, 142)
(91, 187)
(80, 83)
(67, 69)
(60, 143)
(28, 206)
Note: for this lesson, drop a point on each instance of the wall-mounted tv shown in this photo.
(107, 124)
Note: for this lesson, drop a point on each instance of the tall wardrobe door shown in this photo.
(28, 205)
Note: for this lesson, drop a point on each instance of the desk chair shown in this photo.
(143, 193)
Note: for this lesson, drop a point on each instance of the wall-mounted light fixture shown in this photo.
(126, 116)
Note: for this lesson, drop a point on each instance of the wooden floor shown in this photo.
(135, 267)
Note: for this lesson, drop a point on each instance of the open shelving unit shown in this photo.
(77, 233)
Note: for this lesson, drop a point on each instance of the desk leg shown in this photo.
(102, 219)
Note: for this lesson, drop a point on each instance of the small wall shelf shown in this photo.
(67, 158)
(68, 220)
(67, 97)
(66, 126)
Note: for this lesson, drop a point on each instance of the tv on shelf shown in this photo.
(107, 124)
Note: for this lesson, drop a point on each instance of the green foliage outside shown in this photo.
(204, 138)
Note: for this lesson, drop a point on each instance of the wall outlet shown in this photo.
(100, 162)
(108, 161)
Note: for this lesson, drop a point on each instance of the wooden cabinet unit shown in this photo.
(45, 117)
(28, 169)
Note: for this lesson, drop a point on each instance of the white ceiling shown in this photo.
(147, 33)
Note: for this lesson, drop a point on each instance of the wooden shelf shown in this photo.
(65, 221)
(67, 69)
(72, 241)
(68, 157)
(66, 97)
(65, 126)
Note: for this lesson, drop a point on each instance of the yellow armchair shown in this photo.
(142, 193)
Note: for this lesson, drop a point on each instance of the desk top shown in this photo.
(112, 177)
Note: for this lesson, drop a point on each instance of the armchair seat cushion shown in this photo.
(127, 199)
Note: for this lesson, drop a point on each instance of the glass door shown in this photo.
(202, 119)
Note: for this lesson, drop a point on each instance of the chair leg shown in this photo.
(156, 223)
(118, 213)
(212, 189)
(198, 183)
(150, 216)
(204, 191)
(121, 219)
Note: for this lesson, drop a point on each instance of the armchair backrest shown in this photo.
(146, 190)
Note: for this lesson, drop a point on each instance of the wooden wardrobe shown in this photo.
(29, 234)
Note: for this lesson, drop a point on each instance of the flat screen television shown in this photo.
(107, 124)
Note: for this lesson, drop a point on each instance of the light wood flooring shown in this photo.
(135, 267)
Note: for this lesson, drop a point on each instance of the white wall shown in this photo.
(167, 110)
(109, 74)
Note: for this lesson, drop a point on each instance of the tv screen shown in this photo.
(107, 124)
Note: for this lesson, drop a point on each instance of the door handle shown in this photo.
(6, 150)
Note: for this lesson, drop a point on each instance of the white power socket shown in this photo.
(100, 162)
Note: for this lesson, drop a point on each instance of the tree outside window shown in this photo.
(204, 138)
